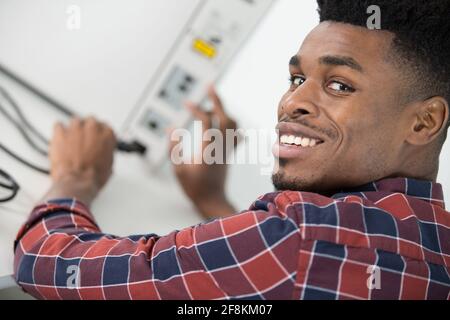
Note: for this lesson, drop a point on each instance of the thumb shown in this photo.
(173, 143)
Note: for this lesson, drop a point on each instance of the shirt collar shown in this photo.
(425, 190)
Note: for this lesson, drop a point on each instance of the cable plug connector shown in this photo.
(131, 147)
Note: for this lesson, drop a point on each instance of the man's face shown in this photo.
(340, 122)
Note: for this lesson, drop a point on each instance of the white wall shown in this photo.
(107, 62)
(258, 78)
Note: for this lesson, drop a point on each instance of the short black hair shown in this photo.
(421, 31)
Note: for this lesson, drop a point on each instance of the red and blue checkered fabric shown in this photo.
(387, 240)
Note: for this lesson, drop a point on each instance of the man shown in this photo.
(358, 213)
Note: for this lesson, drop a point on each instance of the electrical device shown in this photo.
(200, 56)
(208, 35)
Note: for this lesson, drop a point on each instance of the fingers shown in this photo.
(217, 103)
(75, 123)
(92, 123)
(83, 148)
(59, 133)
(217, 117)
(225, 122)
(205, 116)
(199, 114)
(102, 128)
(175, 150)
(89, 125)
(218, 109)
(172, 142)
(59, 129)
(89, 122)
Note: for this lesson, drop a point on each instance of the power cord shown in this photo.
(7, 182)
(23, 161)
(27, 130)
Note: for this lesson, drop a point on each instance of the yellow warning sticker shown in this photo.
(204, 48)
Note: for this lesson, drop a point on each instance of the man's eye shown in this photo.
(296, 80)
(340, 87)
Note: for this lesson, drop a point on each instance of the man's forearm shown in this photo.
(83, 188)
(62, 244)
(215, 208)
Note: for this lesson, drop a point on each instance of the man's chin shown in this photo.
(282, 182)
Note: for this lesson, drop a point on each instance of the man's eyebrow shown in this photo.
(341, 61)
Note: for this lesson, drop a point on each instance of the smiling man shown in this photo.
(357, 213)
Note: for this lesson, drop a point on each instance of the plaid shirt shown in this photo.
(386, 240)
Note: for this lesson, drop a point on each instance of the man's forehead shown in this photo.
(338, 39)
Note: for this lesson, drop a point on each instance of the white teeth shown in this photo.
(299, 141)
(305, 142)
(291, 139)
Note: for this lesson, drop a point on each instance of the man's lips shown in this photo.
(295, 141)
(297, 130)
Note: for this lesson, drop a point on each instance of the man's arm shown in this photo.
(203, 183)
(61, 253)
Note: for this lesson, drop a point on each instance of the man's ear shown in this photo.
(430, 120)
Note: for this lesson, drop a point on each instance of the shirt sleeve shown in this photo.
(60, 253)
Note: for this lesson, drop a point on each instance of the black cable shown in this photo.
(23, 161)
(21, 116)
(37, 92)
(10, 184)
(133, 146)
(22, 131)
(125, 147)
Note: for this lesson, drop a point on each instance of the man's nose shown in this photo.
(299, 104)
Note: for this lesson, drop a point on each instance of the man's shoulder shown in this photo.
(289, 197)
(388, 221)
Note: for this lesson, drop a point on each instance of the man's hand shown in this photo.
(205, 184)
(81, 157)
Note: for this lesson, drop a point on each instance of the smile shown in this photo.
(296, 141)
(299, 141)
